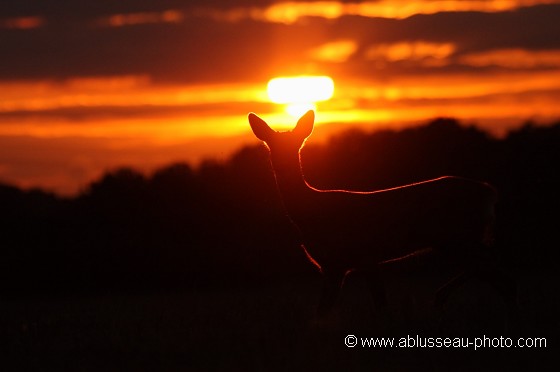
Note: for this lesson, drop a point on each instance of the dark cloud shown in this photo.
(531, 28)
(195, 50)
(80, 114)
(201, 49)
(70, 9)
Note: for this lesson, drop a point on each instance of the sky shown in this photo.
(89, 86)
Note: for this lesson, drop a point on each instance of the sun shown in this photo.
(300, 93)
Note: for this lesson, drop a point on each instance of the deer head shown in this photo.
(283, 142)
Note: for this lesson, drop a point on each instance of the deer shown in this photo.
(449, 215)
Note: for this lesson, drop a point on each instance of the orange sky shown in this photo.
(85, 89)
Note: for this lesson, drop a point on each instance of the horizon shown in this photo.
(86, 88)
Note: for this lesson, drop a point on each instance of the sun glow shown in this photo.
(300, 93)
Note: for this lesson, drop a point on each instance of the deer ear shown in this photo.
(260, 127)
(304, 126)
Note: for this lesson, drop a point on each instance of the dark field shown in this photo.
(196, 269)
(273, 328)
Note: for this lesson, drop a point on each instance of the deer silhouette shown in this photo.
(343, 231)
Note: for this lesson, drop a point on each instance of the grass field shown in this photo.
(271, 327)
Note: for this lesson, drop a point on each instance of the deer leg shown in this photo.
(442, 294)
(472, 258)
(376, 288)
(332, 283)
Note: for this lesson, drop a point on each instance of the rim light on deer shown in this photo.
(342, 230)
(300, 93)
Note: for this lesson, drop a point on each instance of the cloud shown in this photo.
(290, 12)
(118, 91)
(171, 43)
(130, 19)
(335, 51)
(418, 50)
(513, 58)
(23, 23)
(197, 50)
(455, 86)
(287, 12)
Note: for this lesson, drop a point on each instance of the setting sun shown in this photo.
(300, 93)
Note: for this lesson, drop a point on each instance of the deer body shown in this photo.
(345, 230)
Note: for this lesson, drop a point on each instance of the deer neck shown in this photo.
(291, 182)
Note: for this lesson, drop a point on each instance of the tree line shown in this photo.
(222, 222)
